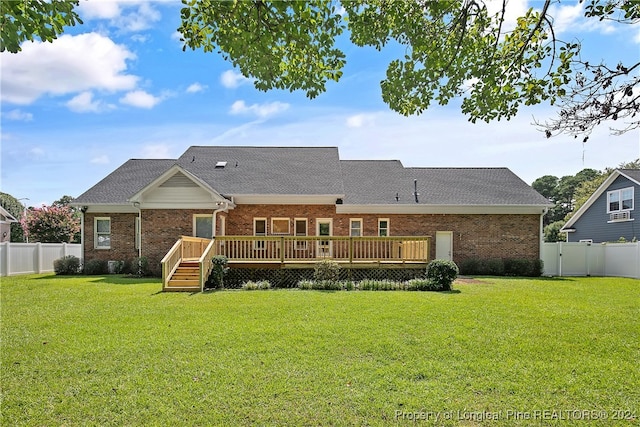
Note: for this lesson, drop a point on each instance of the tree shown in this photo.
(65, 201)
(452, 49)
(552, 232)
(50, 224)
(547, 186)
(27, 19)
(15, 208)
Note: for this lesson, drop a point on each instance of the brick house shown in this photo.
(272, 196)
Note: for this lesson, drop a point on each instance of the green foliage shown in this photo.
(66, 265)
(254, 286)
(380, 285)
(219, 270)
(94, 267)
(552, 232)
(326, 285)
(282, 45)
(326, 270)
(502, 267)
(50, 224)
(442, 273)
(448, 43)
(30, 19)
(140, 267)
(426, 285)
(15, 208)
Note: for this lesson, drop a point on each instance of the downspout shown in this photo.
(541, 249)
(137, 205)
(222, 207)
(82, 210)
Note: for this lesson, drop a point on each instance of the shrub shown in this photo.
(326, 270)
(442, 273)
(327, 285)
(306, 284)
(219, 270)
(66, 265)
(96, 267)
(425, 285)
(253, 286)
(140, 266)
(380, 285)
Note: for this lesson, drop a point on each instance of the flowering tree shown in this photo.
(50, 224)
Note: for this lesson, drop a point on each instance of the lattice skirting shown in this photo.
(289, 277)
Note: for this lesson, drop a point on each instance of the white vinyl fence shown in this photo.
(591, 259)
(27, 258)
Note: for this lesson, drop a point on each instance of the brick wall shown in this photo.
(481, 236)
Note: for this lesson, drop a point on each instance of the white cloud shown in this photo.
(513, 10)
(18, 114)
(156, 151)
(100, 160)
(232, 79)
(196, 87)
(84, 103)
(260, 110)
(69, 64)
(140, 99)
(127, 15)
(37, 152)
(360, 120)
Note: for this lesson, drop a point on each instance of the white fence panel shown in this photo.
(591, 259)
(27, 258)
(622, 259)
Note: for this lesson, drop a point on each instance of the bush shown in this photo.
(380, 285)
(442, 273)
(326, 270)
(327, 285)
(219, 270)
(96, 267)
(425, 285)
(140, 266)
(253, 286)
(66, 265)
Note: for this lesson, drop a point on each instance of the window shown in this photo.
(259, 229)
(203, 226)
(280, 226)
(383, 227)
(301, 231)
(620, 200)
(102, 233)
(355, 227)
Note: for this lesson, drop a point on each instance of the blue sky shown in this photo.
(119, 87)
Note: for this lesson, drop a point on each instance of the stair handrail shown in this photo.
(206, 263)
(171, 262)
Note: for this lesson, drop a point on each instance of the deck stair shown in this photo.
(186, 278)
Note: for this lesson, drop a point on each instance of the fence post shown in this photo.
(64, 250)
(38, 266)
(7, 258)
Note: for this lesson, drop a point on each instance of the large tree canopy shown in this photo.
(27, 19)
(452, 49)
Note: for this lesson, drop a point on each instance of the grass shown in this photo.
(115, 351)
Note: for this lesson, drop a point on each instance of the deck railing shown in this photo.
(291, 249)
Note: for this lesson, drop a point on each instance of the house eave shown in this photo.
(286, 199)
(441, 209)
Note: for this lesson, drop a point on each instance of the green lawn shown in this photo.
(113, 351)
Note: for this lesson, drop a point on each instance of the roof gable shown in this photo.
(632, 175)
(6, 217)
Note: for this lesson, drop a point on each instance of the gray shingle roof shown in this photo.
(378, 182)
(125, 181)
(632, 173)
(319, 171)
(267, 170)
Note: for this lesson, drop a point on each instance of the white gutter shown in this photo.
(223, 207)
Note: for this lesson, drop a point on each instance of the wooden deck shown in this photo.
(188, 264)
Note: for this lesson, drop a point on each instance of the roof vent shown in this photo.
(221, 165)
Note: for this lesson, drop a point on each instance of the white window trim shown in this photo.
(619, 191)
(388, 226)
(96, 234)
(201, 216)
(351, 221)
(285, 233)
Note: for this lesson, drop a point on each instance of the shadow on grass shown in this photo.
(109, 279)
(476, 279)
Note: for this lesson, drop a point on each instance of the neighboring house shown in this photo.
(5, 225)
(609, 214)
(296, 193)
